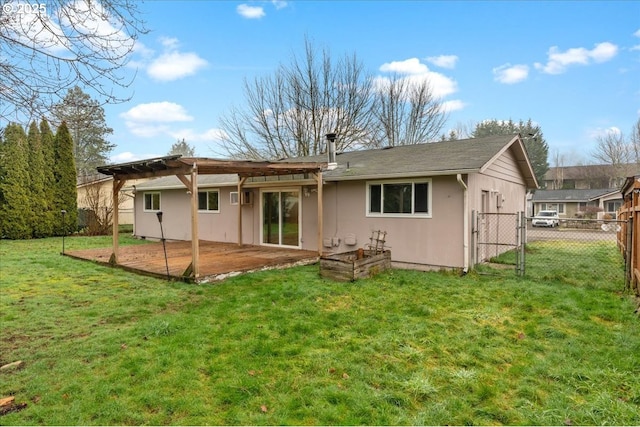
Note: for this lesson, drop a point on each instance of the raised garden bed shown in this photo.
(349, 266)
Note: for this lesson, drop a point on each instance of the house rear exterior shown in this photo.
(422, 195)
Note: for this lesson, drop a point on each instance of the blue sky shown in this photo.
(572, 67)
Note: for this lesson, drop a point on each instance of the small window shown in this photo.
(233, 197)
(613, 206)
(399, 198)
(208, 201)
(152, 202)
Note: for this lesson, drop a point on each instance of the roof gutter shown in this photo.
(397, 175)
(465, 223)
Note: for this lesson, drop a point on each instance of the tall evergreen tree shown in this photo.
(88, 127)
(47, 140)
(37, 188)
(66, 179)
(531, 134)
(15, 203)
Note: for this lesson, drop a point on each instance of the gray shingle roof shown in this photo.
(429, 159)
(570, 195)
(435, 158)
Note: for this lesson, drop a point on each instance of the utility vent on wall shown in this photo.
(247, 197)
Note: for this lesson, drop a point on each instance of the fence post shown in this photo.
(522, 241)
(628, 262)
(474, 227)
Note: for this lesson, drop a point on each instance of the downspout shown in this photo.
(465, 224)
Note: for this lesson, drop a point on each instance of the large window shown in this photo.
(208, 201)
(558, 207)
(152, 202)
(399, 198)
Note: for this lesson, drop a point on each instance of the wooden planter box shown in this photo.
(347, 266)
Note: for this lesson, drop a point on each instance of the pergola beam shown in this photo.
(241, 181)
(117, 186)
(320, 212)
(187, 170)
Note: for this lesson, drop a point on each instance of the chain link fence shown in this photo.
(584, 248)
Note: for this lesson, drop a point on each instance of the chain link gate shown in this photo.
(500, 235)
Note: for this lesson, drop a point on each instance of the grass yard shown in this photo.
(103, 346)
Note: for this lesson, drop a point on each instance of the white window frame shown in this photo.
(233, 198)
(144, 201)
(412, 214)
(558, 207)
(207, 192)
(616, 203)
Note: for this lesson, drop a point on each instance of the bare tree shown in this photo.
(408, 112)
(634, 141)
(289, 113)
(55, 45)
(97, 202)
(613, 149)
(558, 176)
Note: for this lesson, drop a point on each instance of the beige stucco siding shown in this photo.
(435, 241)
(175, 205)
(506, 168)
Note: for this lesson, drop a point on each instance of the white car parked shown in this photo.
(546, 219)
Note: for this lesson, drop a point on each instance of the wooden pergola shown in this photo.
(187, 169)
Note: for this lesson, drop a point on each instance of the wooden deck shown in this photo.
(217, 260)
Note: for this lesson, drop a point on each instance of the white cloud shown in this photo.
(558, 62)
(175, 65)
(408, 66)
(603, 132)
(155, 112)
(453, 105)
(127, 156)
(72, 29)
(169, 43)
(444, 61)
(636, 47)
(279, 4)
(250, 12)
(93, 22)
(192, 136)
(34, 30)
(158, 119)
(416, 72)
(149, 120)
(171, 64)
(510, 74)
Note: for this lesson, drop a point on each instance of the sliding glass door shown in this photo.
(281, 217)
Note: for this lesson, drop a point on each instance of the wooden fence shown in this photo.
(629, 233)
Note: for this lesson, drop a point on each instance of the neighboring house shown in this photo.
(95, 195)
(587, 177)
(422, 195)
(578, 203)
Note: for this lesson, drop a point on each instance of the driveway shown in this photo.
(571, 234)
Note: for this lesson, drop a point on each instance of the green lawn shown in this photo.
(103, 346)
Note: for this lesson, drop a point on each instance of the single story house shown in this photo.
(594, 203)
(422, 195)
